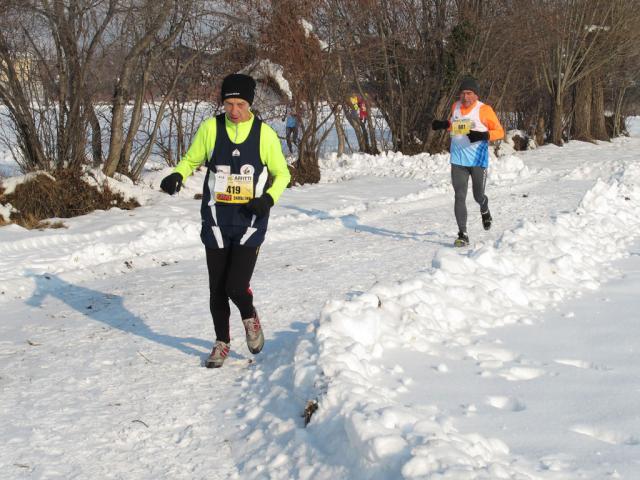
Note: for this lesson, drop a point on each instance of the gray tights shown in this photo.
(460, 181)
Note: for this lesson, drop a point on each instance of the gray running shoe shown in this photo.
(218, 355)
(255, 338)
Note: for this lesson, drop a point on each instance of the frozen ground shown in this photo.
(515, 358)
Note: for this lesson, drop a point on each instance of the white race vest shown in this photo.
(463, 152)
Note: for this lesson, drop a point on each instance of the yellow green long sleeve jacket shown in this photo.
(271, 156)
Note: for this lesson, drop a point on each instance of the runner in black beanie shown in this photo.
(246, 174)
(470, 83)
(238, 85)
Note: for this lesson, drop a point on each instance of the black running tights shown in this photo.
(230, 271)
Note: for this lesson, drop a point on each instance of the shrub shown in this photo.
(66, 196)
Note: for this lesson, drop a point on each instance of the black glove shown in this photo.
(475, 136)
(439, 124)
(259, 206)
(171, 183)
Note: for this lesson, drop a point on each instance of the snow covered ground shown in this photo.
(515, 358)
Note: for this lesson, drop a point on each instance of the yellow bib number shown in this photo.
(233, 188)
(461, 127)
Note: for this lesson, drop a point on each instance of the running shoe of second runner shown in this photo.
(253, 330)
(218, 355)
(462, 240)
(486, 219)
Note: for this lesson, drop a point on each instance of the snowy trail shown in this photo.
(101, 359)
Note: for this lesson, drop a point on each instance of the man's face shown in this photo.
(468, 97)
(237, 110)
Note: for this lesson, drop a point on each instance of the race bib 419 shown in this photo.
(233, 188)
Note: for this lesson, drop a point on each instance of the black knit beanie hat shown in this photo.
(470, 83)
(238, 85)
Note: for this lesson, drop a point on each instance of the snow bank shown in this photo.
(361, 424)
(6, 211)
(163, 230)
(432, 168)
(387, 164)
(144, 191)
(93, 176)
(276, 72)
(633, 126)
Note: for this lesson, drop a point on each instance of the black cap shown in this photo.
(470, 83)
(238, 85)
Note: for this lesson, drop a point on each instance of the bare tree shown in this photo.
(573, 39)
(149, 29)
(546, 65)
(51, 102)
(621, 80)
(409, 55)
(290, 38)
(184, 78)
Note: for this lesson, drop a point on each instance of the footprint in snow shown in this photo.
(515, 374)
(506, 403)
(490, 357)
(581, 364)
(185, 436)
(607, 436)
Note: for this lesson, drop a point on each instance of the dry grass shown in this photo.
(57, 224)
(303, 174)
(67, 196)
(520, 143)
(33, 223)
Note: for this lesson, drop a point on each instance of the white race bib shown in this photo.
(233, 188)
(461, 127)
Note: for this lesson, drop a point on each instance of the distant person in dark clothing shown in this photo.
(291, 126)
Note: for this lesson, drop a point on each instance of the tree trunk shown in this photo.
(136, 119)
(13, 96)
(180, 140)
(556, 121)
(117, 130)
(30, 145)
(61, 143)
(357, 128)
(306, 169)
(582, 110)
(618, 118)
(340, 131)
(96, 136)
(373, 145)
(141, 160)
(598, 125)
(540, 130)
